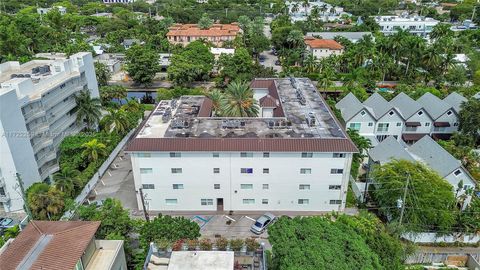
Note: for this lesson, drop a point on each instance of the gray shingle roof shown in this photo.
(405, 105)
(432, 154)
(349, 106)
(377, 105)
(389, 149)
(434, 106)
(455, 100)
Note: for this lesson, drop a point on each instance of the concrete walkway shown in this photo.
(118, 183)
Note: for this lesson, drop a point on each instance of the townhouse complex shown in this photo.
(428, 152)
(402, 117)
(294, 156)
(417, 25)
(217, 34)
(38, 110)
(62, 245)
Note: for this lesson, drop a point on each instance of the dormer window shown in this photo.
(457, 172)
(449, 113)
(362, 113)
(420, 113)
(391, 113)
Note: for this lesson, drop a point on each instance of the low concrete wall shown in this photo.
(424, 238)
(96, 177)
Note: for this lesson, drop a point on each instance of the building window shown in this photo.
(307, 155)
(420, 113)
(215, 155)
(383, 127)
(336, 171)
(171, 201)
(148, 186)
(439, 129)
(335, 201)
(305, 171)
(370, 124)
(455, 124)
(391, 113)
(457, 172)
(146, 170)
(355, 126)
(176, 170)
(334, 187)
(362, 113)
(246, 170)
(266, 170)
(245, 154)
(427, 124)
(303, 186)
(206, 201)
(265, 186)
(303, 201)
(177, 186)
(338, 155)
(449, 113)
(399, 124)
(264, 201)
(216, 186)
(246, 186)
(216, 170)
(248, 201)
(266, 154)
(144, 155)
(175, 154)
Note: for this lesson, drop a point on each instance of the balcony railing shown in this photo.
(46, 158)
(32, 115)
(44, 142)
(51, 101)
(4, 198)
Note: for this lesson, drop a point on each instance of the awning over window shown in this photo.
(441, 136)
(441, 124)
(413, 136)
(413, 124)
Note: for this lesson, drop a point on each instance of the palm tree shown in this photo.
(305, 5)
(67, 180)
(116, 121)
(310, 63)
(239, 101)
(326, 78)
(132, 106)
(295, 38)
(295, 8)
(315, 13)
(88, 109)
(46, 204)
(93, 150)
(218, 98)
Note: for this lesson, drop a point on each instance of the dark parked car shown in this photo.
(262, 223)
(277, 63)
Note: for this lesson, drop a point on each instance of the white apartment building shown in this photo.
(298, 11)
(417, 25)
(402, 117)
(293, 157)
(37, 110)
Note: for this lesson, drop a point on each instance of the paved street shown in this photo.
(270, 59)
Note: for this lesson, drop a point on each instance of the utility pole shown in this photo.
(24, 197)
(147, 217)
(404, 198)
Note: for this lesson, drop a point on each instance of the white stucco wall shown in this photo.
(452, 119)
(283, 181)
(393, 128)
(423, 119)
(365, 129)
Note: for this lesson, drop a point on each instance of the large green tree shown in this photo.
(102, 73)
(195, 62)
(469, 118)
(239, 101)
(46, 202)
(430, 201)
(142, 64)
(238, 66)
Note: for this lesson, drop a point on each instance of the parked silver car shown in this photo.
(262, 222)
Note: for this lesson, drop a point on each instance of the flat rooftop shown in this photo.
(186, 122)
(199, 260)
(300, 114)
(105, 254)
(13, 71)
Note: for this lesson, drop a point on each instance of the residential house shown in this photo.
(62, 245)
(417, 25)
(351, 36)
(128, 43)
(43, 11)
(298, 11)
(186, 159)
(37, 111)
(321, 48)
(428, 152)
(402, 117)
(217, 33)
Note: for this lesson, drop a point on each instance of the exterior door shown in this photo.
(219, 204)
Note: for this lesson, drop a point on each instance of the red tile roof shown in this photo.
(242, 144)
(272, 91)
(69, 239)
(192, 30)
(323, 43)
(268, 102)
(206, 108)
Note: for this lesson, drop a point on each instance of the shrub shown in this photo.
(205, 244)
(251, 244)
(221, 243)
(192, 244)
(236, 244)
(177, 246)
(162, 244)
